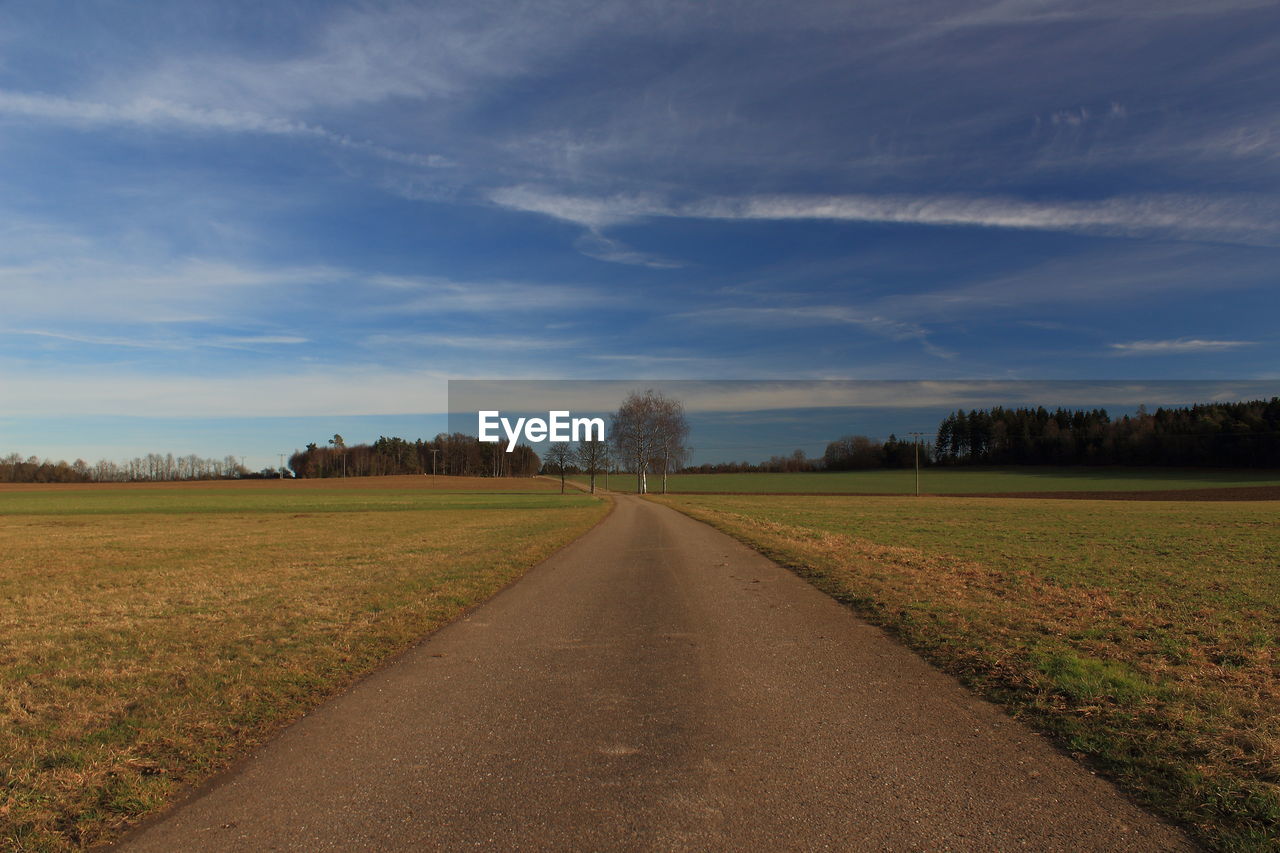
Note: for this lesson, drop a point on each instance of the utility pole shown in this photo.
(434, 451)
(281, 466)
(917, 436)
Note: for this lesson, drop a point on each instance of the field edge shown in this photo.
(1001, 689)
(196, 789)
(228, 750)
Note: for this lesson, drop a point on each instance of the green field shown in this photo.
(149, 635)
(1143, 636)
(952, 481)
(195, 501)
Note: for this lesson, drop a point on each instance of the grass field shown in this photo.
(150, 634)
(953, 481)
(288, 498)
(1143, 636)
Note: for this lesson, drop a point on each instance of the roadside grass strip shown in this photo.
(143, 651)
(1142, 637)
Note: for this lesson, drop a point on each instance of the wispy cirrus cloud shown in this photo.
(1244, 218)
(593, 244)
(96, 285)
(775, 316)
(436, 295)
(1178, 346)
(1038, 12)
(50, 273)
(500, 341)
(594, 212)
(806, 315)
(156, 113)
(369, 54)
(166, 342)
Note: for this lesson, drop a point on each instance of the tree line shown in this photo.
(1202, 435)
(457, 455)
(154, 467)
(454, 455)
(648, 435)
(1224, 435)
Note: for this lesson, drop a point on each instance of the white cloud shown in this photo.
(1248, 219)
(367, 55)
(255, 340)
(1007, 13)
(167, 340)
(156, 113)
(92, 284)
(821, 315)
(1177, 346)
(808, 315)
(593, 244)
(501, 341)
(373, 53)
(62, 282)
(429, 53)
(95, 340)
(439, 296)
(147, 112)
(594, 213)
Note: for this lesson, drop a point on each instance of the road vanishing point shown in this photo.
(657, 686)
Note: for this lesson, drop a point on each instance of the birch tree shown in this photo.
(649, 429)
(673, 433)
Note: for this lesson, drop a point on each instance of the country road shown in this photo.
(657, 686)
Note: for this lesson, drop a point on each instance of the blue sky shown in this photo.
(221, 222)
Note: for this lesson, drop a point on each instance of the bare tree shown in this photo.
(560, 455)
(592, 456)
(673, 432)
(649, 429)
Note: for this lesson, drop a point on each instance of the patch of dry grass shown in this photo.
(143, 651)
(1143, 636)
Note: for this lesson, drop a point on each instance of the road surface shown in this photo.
(658, 686)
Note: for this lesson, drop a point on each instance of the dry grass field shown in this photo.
(151, 634)
(1143, 636)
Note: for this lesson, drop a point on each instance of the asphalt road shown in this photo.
(657, 686)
